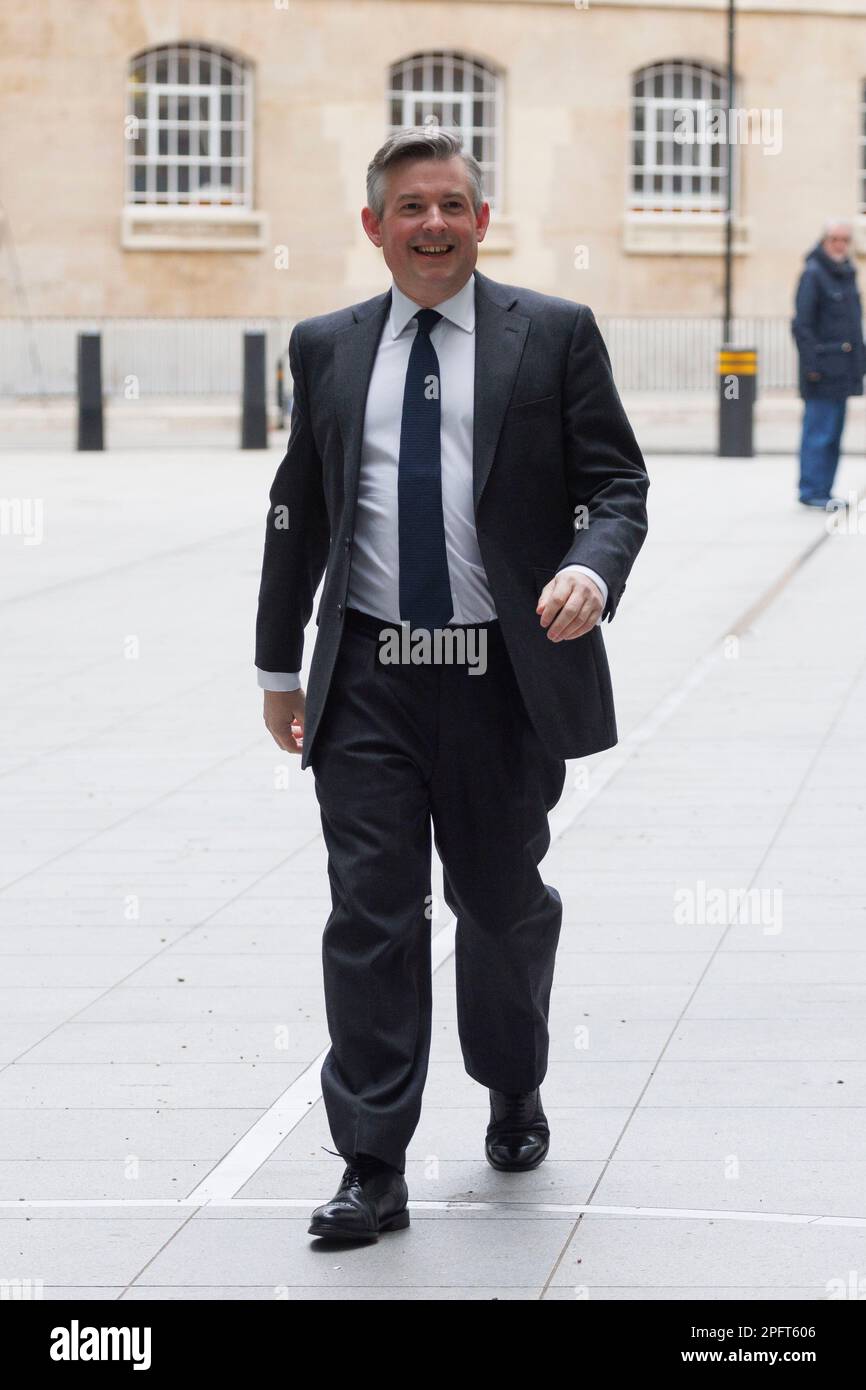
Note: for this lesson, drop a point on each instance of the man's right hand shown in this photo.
(284, 718)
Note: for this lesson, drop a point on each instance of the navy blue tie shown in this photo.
(425, 589)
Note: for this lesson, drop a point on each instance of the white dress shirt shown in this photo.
(374, 574)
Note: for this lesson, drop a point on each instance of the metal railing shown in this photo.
(141, 357)
(680, 354)
(157, 357)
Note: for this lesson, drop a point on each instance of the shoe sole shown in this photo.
(398, 1222)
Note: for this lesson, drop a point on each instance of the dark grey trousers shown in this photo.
(401, 748)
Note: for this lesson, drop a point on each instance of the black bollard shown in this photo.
(738, 382)
(89, 375)
(254, 413)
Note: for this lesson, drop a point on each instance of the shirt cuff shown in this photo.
(597, 579)
(279, 680)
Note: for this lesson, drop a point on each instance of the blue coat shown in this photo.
(828, 328)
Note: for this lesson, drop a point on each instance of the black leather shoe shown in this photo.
(371, 1198)
(518, 1136)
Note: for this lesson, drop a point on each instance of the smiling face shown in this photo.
(428, 232)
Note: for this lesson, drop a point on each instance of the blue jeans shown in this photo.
(823, 422)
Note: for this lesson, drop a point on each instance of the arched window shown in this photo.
(189, 128)
(667, 174)
(457, 93)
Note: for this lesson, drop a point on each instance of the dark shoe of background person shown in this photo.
(517, 1136)
(372, 1198)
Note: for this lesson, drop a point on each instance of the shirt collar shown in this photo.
(459, 309)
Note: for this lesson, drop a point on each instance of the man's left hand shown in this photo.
(570, 605)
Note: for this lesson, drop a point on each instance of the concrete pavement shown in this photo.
(164, 890)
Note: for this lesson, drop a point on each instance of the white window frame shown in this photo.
(429, 97)
(242, 84)
(703, 204)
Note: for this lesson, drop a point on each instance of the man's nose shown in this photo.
(434, 219)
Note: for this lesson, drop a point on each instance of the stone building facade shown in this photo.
(199, 158)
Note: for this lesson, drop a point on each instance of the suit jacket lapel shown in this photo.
(499, 339)
(355, 350)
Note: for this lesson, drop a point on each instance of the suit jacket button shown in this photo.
(339, 607)
(846, 347)
(347, 543)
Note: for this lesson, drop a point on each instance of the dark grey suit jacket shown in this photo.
(550, 436)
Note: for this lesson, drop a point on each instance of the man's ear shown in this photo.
(372, 225)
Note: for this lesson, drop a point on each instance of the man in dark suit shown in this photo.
(459, 464)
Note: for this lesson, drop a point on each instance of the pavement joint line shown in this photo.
(504, 1208)
(744, 624)
(239, 1165)
(267, 1133)
(121, 721)
(158, 556)
(259, 1142)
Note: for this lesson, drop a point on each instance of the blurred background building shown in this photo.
(174, 170)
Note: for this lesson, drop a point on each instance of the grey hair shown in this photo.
(833, 222)
(420, 142)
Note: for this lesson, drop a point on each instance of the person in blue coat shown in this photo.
(828, 330)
